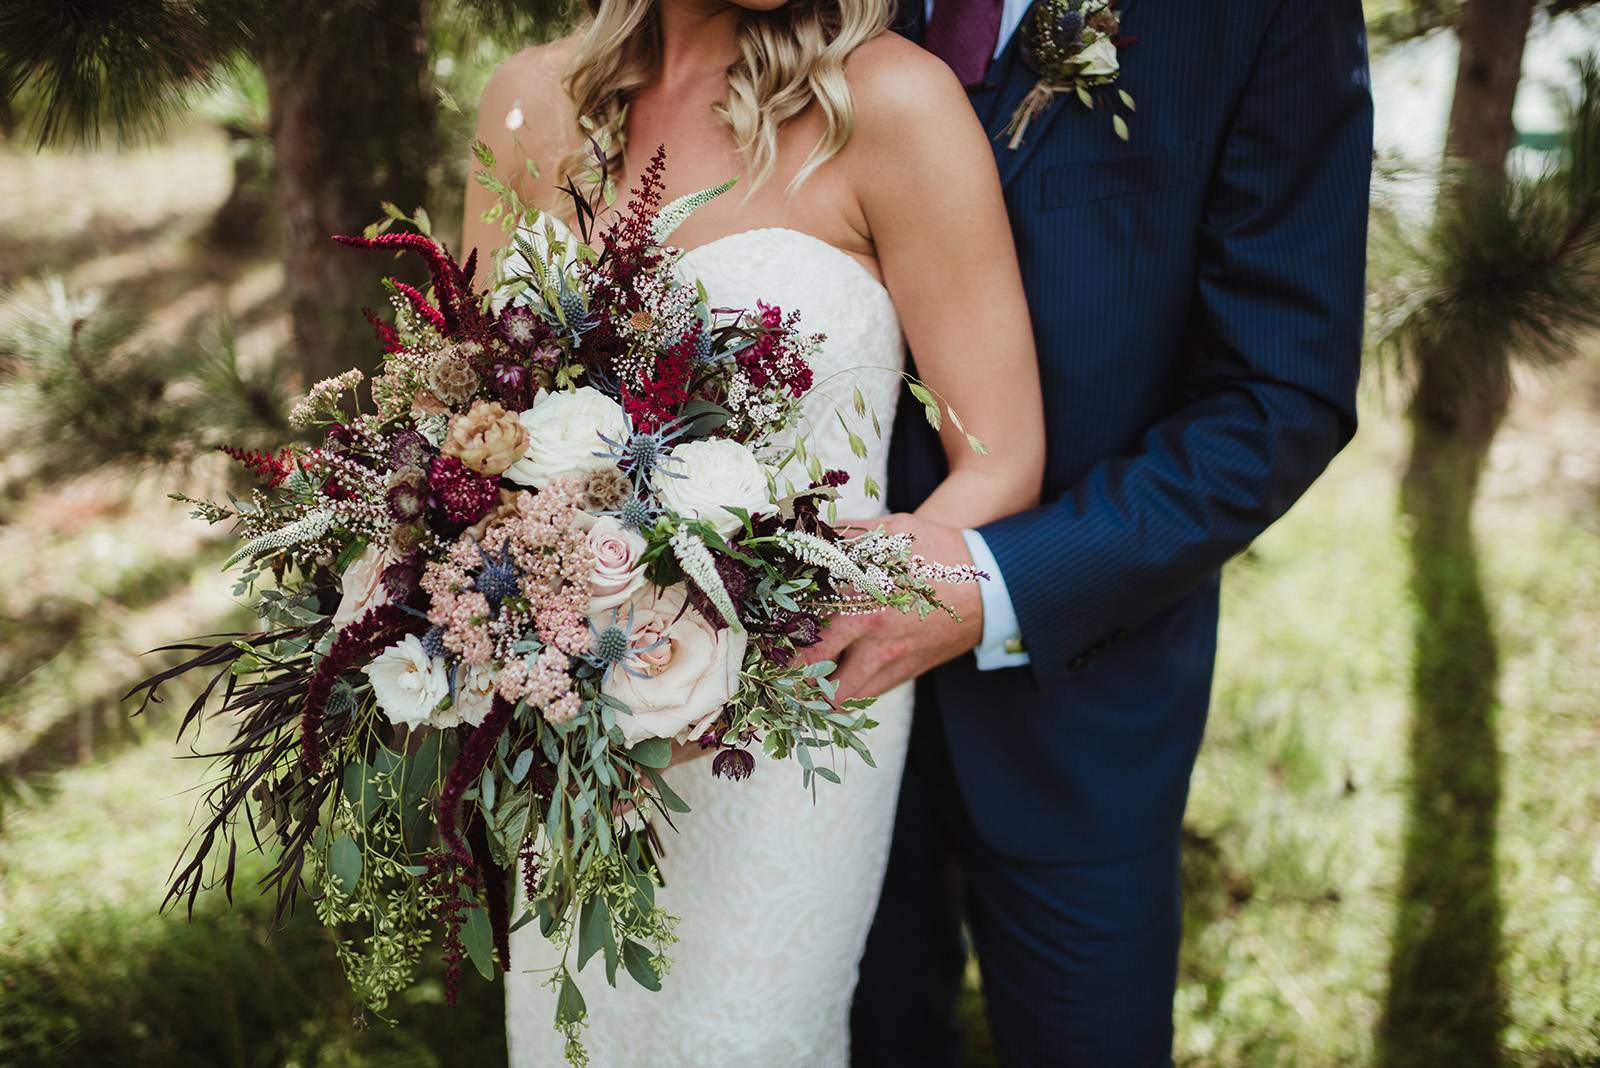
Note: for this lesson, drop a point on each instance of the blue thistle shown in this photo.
(497, 578)
(637, 514)
(1069, 26)
(642, 452)
(433, 642)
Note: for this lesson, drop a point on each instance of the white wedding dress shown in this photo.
(774, 891)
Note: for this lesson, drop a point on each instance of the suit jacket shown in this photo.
(1196, 295)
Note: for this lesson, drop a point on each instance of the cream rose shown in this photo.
(407, 682)
(564, 435)
(617, 570)
(361, 587)
(677, 688)
(486, 438)
(1099, 60)
(703, 478)
(474, 699)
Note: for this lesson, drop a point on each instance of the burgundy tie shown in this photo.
(963, 34)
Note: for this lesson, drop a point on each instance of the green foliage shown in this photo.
(1506, 272)
(114, 64)
(77, 70)
(86, 390)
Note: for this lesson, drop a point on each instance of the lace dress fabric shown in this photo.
(774, 891)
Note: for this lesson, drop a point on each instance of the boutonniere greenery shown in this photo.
(1075, 47)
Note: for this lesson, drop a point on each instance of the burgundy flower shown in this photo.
(803, 629)
(520, 327)
(407, 501)
(466, 497)
(409, 449)
(835, 478)
(735, 764)
(401, 580)
(511, 385)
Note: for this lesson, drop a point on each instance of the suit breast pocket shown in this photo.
(1114, 177)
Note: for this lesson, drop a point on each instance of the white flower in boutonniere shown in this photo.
(1075, 46)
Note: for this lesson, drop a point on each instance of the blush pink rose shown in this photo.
(618, 572)
(362, 587)
(676, 689)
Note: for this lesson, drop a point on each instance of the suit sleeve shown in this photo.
(1271, 398)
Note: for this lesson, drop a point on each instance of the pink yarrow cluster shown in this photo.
(550, 555)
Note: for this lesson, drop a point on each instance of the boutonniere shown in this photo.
(1075, 47)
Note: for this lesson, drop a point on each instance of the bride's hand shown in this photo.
(878, 652)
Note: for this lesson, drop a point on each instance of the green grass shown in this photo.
(1293, 865)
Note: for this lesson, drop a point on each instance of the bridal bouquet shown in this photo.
(572, 522)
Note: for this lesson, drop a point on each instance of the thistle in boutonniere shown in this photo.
(1075, 47)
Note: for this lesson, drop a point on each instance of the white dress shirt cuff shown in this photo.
(1001, 645)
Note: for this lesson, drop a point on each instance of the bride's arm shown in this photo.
(925, 175)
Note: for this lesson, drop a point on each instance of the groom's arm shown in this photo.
(1280, 290)
(1272, 397)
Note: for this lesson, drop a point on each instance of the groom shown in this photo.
(1197, 301)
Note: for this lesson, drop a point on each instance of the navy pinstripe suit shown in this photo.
(1197, 303)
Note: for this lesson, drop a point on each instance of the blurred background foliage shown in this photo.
(1393, 846)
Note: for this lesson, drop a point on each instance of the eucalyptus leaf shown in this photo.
(478, 939)
(636, 959)
(652, 752)
(344, 862)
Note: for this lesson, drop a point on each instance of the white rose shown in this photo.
(617, 571)
(710, 476)
(361, 587)
(564, 434)
(675, 688)
(408, 683)
(1098, 60)
(474, 699)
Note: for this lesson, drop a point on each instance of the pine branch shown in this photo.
(75, 69)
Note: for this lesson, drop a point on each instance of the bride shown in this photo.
(869, 203)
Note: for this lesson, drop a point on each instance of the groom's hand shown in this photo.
(877, 652)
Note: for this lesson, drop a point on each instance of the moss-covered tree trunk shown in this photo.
(1445, 1002)
(352, 123)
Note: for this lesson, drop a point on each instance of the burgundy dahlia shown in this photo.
(735, 764)
(466, 497)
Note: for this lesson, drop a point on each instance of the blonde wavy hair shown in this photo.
(789, 58)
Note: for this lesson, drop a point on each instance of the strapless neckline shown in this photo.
(788, 231)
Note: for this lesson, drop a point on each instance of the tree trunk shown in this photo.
(1446, 1004)
(1493, 34)
(352, 124)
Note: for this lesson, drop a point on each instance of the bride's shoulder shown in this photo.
(525, 113)
(893, 81)
(909, 107)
